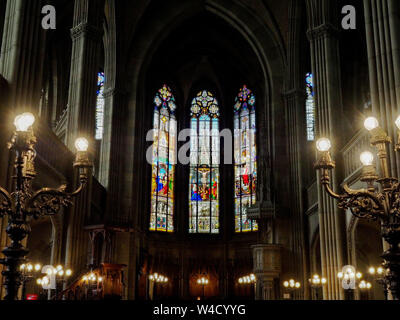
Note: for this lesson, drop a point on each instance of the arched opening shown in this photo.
(205, 48)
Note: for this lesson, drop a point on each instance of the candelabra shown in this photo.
(378, 275)
(316, 283)
(158, 278)
(28, 273)
(203, 281)
(291, 286)
(22, 203)
(349, 280)
(249, 279)
(380, 202)
(55, 278)
(92, 284)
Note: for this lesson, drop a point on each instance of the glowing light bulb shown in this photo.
(380, 270)
(286, 284)
(81, 144)
(371, 270)
(367, 158)
(68, 272)
(298, 285)
(24, 121)
(323, 280)
(398, 122)
(37, 267)
(324, 144)
(371, 123)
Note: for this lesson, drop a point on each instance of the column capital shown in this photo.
(88, 30)
(322, 31)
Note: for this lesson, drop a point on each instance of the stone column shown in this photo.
(86, 33)
(325, 61)
(267, 268)
(295, 115)
(295, 103)
(382, 24)
(76, 256)
(22, 54)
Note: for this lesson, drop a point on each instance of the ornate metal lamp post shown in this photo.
(372, 203)
(290, 288)
(23, 204)
(203, 281)
(316, 284)
(28, 273)
(349, 277)
(378, 274)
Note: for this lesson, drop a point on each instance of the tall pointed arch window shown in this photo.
(100, 106)
(204, 164)
(164, 160)
(310, 107)
(245, 155)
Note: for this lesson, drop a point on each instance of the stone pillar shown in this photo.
(22, 54)
(295, 103)
(76, 256)
(267, 268)
(86, 36)
(382, 24)
(322, 34)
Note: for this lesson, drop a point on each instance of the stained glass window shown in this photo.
(245, 155)
(100, 106)
(204, 164)
(310, 107)
(164, 160)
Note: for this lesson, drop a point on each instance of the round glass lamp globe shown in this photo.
(24, 121)
(371, 123)
(367, 158)
(324, 144)
(371, 270)
(398, 122)
(81, 144)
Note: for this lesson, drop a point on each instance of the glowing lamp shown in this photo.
(81, 144)
(324, 144)
(371, 123)
(24, 121)
(367, 158)
(398, 122)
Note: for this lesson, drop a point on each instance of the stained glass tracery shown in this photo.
(245, 155)
(100, 106)
(164, 160)
(310, 107)
(204, 164)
